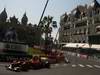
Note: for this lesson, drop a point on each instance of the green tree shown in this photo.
(14, 20)
(24, 19)
(3, 16)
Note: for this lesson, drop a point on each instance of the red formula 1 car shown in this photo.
(34, 63)
(18, 66)
(40, 62)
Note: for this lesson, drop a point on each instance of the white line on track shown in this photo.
(64, 65)
(81, 65)
(89, 66)
(56, 64)
(97, 66)
(73, 65)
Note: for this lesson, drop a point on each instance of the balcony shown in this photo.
(81, 24)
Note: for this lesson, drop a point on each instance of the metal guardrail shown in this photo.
(94, 58)
(91, 58)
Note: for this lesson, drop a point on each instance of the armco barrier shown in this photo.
(94, 58)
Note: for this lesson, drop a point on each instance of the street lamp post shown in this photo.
(43, 11)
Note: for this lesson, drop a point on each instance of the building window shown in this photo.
(84, 30)
(66, 27)
(79, 41)
(75, 41)
(97, 20)
(84, 41)
(65, 34)
(84, 23)
(80, 31)
(90, 14)
(98, 11)
(98, 29)
(90, 21)
(77, 32)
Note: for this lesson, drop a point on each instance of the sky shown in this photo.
(34, 8)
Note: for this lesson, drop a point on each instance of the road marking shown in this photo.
(76, 65)
(3, 64)
(81, 65)
(97, 66)
(56, 64)
(89, 66)
(64, 65)
(73, 65)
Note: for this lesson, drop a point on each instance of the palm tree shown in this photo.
(46, 26)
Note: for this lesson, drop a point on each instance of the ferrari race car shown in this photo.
(35, 63)
(40, 62)
(17, 67)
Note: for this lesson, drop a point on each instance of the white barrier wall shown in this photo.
(1, 46)
(13, 46)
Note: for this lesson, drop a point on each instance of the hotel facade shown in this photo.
(82, 25)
